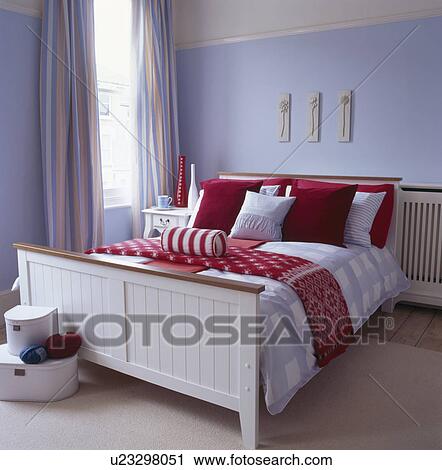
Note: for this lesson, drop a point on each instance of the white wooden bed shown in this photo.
(225, 375)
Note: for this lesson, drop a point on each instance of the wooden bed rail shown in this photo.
(238, 175)
(190, 277)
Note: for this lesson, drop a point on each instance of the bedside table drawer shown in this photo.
(156, 221)
(164, 221)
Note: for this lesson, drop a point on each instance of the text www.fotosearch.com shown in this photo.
(251, 460)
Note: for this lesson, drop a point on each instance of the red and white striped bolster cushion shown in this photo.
(194, 241)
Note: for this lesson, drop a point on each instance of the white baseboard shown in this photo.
(8, 299)
(421, 299)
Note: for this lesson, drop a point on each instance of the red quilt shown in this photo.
(324, 303)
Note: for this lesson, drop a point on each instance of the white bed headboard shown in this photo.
(395, 181)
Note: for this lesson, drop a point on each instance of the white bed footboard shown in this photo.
(156, 325)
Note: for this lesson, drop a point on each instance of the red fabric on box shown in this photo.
(318, 215)
(61, 346)
(222, 202)
(382, 221)
(283, 183)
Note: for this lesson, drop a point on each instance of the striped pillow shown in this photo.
(194, 241)
(270, 190)
(362, 213)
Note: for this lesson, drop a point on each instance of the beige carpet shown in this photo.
(348, 405)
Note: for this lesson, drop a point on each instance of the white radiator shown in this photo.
(419, 247)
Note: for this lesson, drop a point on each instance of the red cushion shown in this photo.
(61, 346)
(382, 221)
(283, 183)
(222, 202)
(319, 215)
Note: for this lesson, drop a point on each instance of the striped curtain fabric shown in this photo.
(69, 126)
(154, 103)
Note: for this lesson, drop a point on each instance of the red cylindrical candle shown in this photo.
(181, 187)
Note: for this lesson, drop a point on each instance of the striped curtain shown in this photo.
(69, 126)
(154, 104)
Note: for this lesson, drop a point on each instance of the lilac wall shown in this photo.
(117, 224)
(21, 192)
(228, 96)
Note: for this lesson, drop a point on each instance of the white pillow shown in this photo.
(269, 190)
(195, 211)
(261, 217)
(360, 219)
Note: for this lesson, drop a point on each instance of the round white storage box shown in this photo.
(51, 380)
(26, 326)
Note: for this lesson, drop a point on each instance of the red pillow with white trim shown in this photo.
(381, 224)
(194, 241)
(318, 215)
(222, 202)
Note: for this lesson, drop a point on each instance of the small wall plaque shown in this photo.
(314, 101)
(284, 111)
(344, 121)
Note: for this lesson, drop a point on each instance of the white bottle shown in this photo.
(193, 190)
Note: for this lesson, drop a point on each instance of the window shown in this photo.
(105, 102)
(112, 49)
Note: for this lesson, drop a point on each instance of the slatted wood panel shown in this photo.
(214, 366)
(73, 294)
(207, 353)
(192, 347)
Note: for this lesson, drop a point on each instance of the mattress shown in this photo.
(367, 276)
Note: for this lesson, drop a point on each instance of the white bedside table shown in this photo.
(156, 219)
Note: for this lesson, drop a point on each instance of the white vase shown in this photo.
(193, 190)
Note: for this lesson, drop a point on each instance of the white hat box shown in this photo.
(52, 380)
(26, 326)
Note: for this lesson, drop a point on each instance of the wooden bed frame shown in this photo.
(226, 375)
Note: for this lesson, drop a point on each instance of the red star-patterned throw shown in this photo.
(324, 304)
